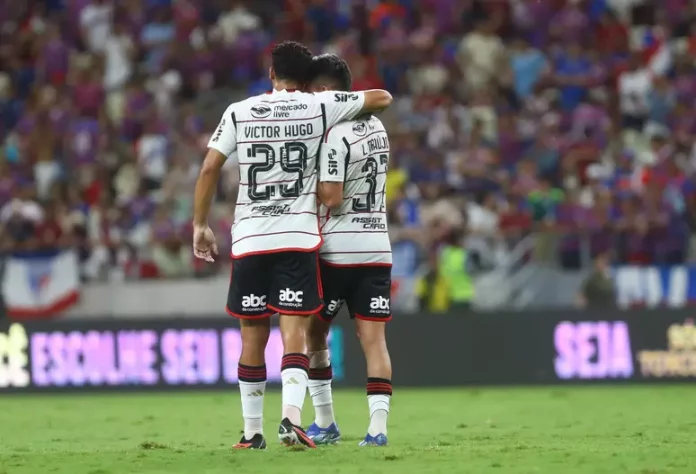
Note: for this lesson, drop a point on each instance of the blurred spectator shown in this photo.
(238, 19)
(598, 291)
(483, 231)
(528, 66)
(95, 24)
(635, 85)
(481, 55)
(170, 253)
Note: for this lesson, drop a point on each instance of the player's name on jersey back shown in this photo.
(300, 130)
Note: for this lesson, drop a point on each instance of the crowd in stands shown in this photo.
(568, 119)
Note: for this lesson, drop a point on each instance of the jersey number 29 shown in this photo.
(258, 192)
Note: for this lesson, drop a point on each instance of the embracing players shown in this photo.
(355, 258)
(275, 235)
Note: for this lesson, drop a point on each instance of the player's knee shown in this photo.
(255, 332)
(255, 336)
(294, 330)
(370, 333)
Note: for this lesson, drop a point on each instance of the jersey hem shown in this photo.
(375, 264)
(284, 249)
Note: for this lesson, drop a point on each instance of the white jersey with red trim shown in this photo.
(276, 138)
(357, 154)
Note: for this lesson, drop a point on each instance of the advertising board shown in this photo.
(431, 350)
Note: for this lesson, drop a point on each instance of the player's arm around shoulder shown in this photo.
(332, 166)
(377, 100)
(340, 106)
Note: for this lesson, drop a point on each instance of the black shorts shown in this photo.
(366, 290)
(283, 282)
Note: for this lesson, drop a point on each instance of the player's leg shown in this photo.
(252, 377)
(324, 429)
(372, 311)
(379, 374)
(247, 301)
(296, 295)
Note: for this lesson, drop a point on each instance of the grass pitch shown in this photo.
(641, 430)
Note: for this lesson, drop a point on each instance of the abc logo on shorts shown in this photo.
(291, 298)
(379, 304)
(252, 301)
(333, 306)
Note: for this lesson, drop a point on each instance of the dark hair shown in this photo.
(292, 62)
(333, 69)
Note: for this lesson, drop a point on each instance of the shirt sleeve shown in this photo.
(341, 106)
(332, 158)
(224, 139)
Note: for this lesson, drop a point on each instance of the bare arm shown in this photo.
(206, 186)
(330, 194)
(377, 100)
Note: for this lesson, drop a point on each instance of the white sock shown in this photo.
(379, 411)
(379, 395)
(320, 388)
(294, 392)
(252, 407)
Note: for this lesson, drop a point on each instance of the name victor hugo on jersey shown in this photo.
(277, 131)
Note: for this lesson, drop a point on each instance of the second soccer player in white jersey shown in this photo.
(355, 258)
(275, 235)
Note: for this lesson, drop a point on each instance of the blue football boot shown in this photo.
(379, 440)
(328, 435)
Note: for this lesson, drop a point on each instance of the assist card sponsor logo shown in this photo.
(271, 210)
(370, 223)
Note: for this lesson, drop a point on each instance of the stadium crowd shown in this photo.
(568, 119)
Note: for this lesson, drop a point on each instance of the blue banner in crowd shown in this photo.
(651, 287)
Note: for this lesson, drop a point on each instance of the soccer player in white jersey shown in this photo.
(355, 258)
(275, 234)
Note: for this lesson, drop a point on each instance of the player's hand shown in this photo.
(204, 245)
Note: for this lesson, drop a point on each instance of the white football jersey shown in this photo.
(276, 138)
(357, 154)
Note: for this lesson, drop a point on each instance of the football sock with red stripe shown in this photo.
(379, 393)
(293, 372)
(320, 375)
(252, 388)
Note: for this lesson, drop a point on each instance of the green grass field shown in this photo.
(641, 430)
